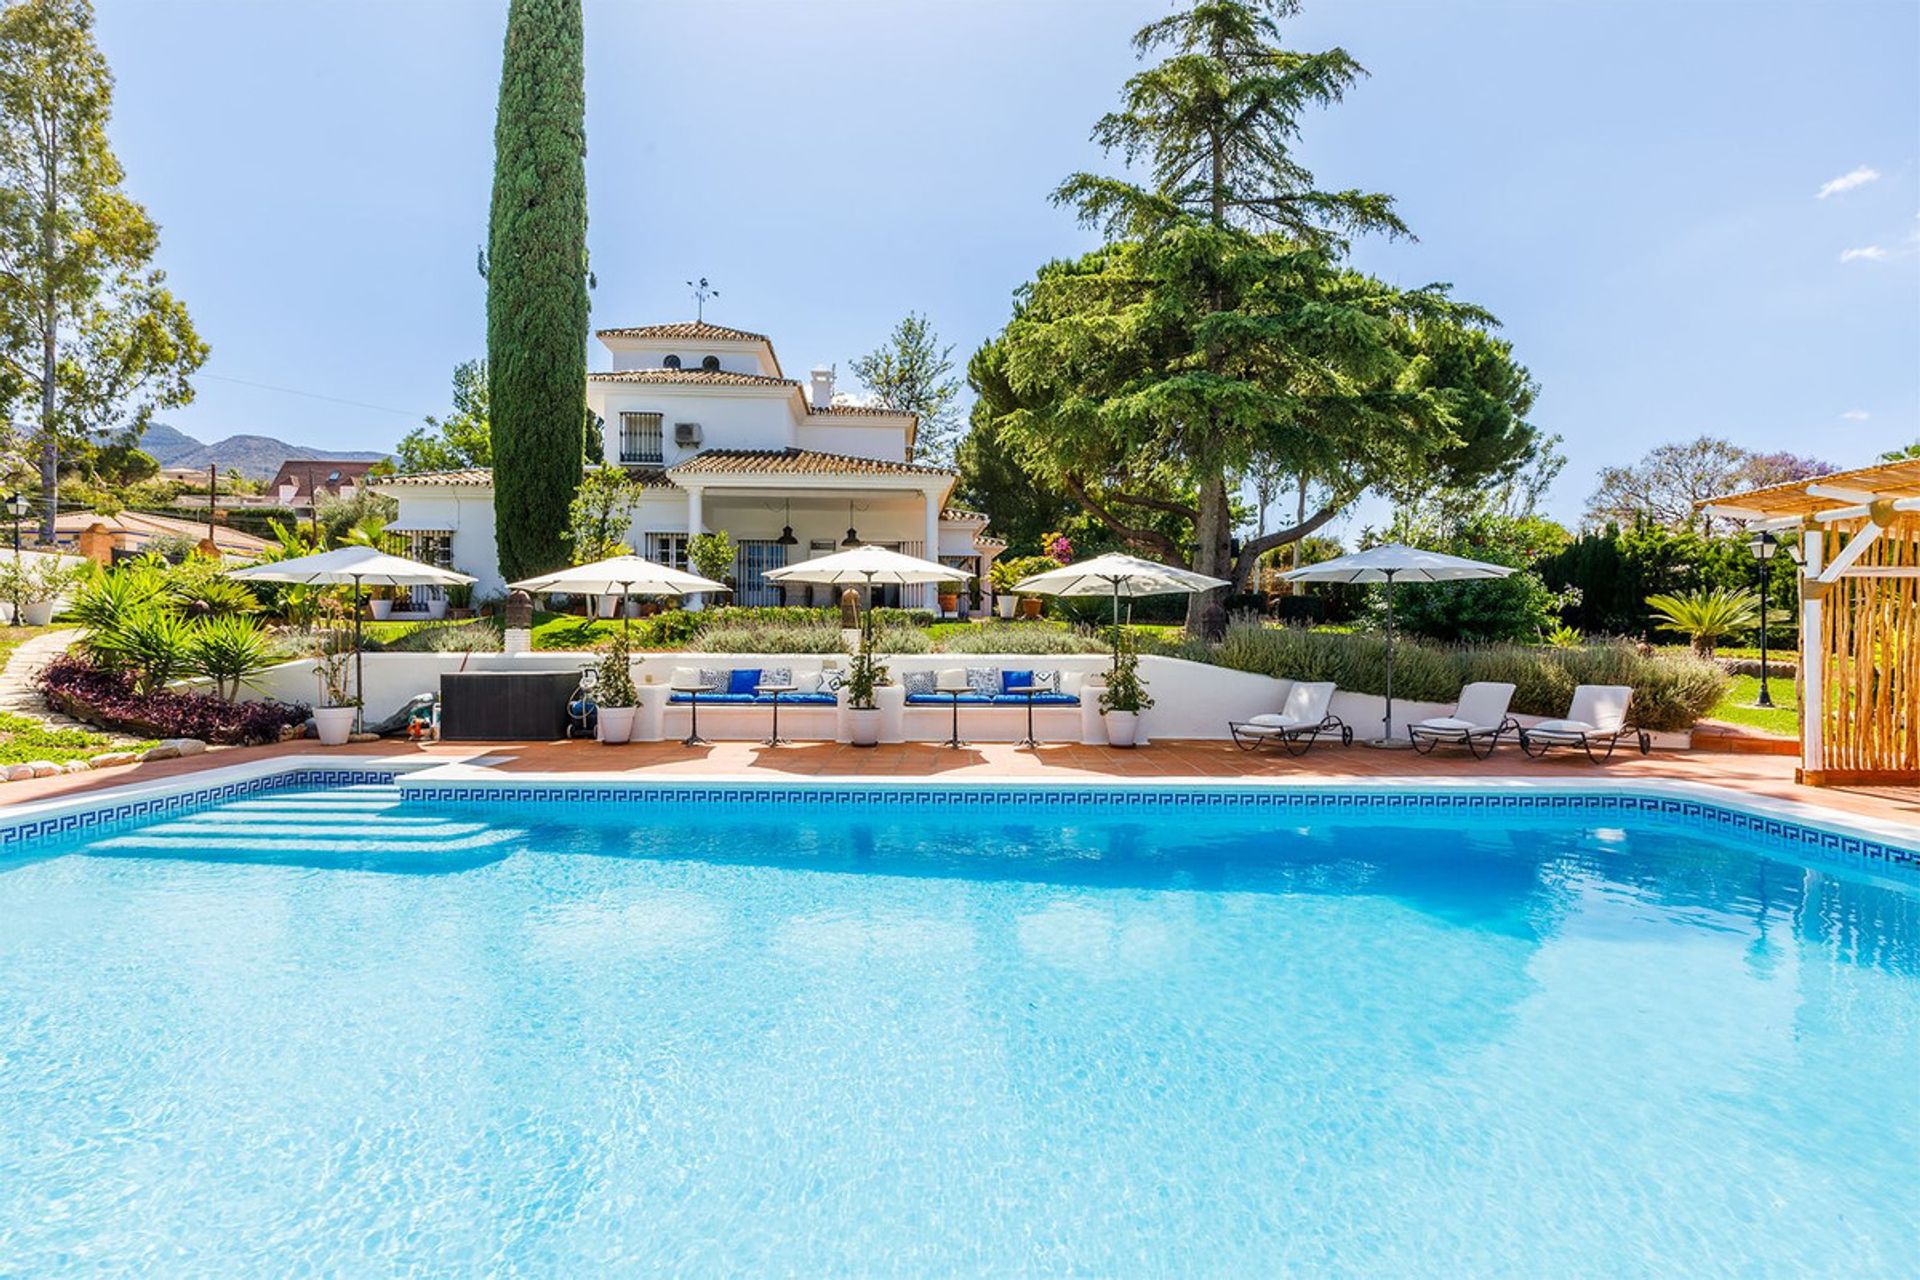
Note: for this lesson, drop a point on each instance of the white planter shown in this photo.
(335, 725)
(633, 607)
(616, 724)
(380, 609)
(39, 613)
(863, 726)
(1122, 727)
(608, 604)
(437, 609)
(1006, 605)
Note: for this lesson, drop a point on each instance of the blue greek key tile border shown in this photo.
(1698, 812)
(98, 821)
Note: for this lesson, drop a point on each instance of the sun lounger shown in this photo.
(1298, 725)
(1479, 719)
(1597, 719)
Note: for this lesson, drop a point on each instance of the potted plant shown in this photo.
(1125, 697)
(949, 603)
(34, 587)
(1003, 575)
(711, 555)
(333, 718)
(865, 674)
(614, 693)
(380, 603)
(460, 600)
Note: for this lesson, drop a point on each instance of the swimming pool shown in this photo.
(731, 1029)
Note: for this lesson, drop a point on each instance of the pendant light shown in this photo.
(853, 538)
(786, 538)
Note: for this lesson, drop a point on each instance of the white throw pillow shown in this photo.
(952, 678)
(684, 677)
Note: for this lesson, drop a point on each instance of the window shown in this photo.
(669, 549)
(640, 438)
(752, 557)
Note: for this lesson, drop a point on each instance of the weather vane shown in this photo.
(701, 292)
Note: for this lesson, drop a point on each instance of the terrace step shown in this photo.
(1739, 739)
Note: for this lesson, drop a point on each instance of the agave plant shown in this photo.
(1705, 617)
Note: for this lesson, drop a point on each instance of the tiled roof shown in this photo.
(961, 514)
(465, 476)
(858, 410)
(694, 377)
(797, 462)
(690, 330)
(143, 524)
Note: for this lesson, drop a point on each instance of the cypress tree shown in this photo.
(537, 283)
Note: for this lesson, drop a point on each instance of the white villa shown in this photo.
(726, 441)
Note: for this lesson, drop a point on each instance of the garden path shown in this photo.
(17, 692)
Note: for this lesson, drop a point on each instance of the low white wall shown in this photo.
(1190, 699)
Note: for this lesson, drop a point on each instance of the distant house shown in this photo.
(724, 440)
(298, 479)
(132, 532)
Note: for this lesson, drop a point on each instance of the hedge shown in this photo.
(1669, 692)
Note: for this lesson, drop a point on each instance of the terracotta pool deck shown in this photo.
(1758, 775)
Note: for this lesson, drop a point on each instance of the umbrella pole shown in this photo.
(1116, 622)
(359, 665)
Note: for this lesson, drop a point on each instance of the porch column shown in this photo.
(1813, 644)
(932, 497)
(695, 524)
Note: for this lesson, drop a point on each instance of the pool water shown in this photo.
(342, 1032)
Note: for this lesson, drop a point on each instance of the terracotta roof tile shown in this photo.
(694, 378)
(796, 462)
(856, 411)
(961, 514)
(464, 476)
(690, 330)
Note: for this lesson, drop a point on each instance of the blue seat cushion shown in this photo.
(1011, 679)
(742, 679)
(756, 699)
(807, 699)
(997, 700)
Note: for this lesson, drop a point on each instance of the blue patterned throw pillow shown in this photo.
(917, 682)
(984, 681)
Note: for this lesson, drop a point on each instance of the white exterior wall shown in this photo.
(869, 439)
(651, 353)
(468, 511)
(729, 417)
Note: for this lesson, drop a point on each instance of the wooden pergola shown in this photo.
(1856, 537)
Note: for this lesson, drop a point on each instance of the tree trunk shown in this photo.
(49, 349)
(1211, 548)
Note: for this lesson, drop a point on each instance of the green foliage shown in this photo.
(1513, 609)
(1669, 693)
(772, 638)
(711, 555)
(1007, 571)
(157, 645)
(537, 285)
(1904, 454)
(441, 637)
(1025, 637)
(601, 513)
(615, 687)
(38, 579)
(1562, 636)
(1705, 616)
(1125, 691)
(1615, 570)
(88, 330)
(912, 372)
(360, 520)
(24, 739)
(461, 439)
(198, 586)
(229, 649)
(1019, 504)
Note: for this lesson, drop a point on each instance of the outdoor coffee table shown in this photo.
(1029, 690)
(775, 690)
(693, 692)
(954, 692)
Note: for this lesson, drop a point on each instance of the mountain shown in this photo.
(255, 456)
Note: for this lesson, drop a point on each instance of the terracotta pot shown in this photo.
(1030, 607)
(950, 604)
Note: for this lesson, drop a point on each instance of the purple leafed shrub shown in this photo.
(107, 698)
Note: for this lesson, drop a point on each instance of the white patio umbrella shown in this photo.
(1119, 576)
(869, 567)
(1393, 564)
(358, 567)
(621, 576)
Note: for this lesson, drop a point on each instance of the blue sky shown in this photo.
(1634, 188)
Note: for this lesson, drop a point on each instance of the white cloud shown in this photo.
(1848, 181)
(1867, 253)
(1856, 415)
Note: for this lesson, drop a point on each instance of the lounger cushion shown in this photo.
(1451, 724)
(1563, 726)
(1273, 720)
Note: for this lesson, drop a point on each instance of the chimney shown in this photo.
(822, 386)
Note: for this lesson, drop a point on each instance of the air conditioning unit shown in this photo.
(686, 434)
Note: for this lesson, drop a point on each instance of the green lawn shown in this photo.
(23, 740)
(1737, 707)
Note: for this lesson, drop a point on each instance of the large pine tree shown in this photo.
(537, 284)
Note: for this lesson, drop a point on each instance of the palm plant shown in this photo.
(106, 604)
(156, 643)
(229, 650)
(1706, 616)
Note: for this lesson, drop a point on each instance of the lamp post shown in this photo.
(17, 508)
(1763, 546)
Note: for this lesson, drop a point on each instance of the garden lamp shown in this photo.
(1763, 545)
(17, 508)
